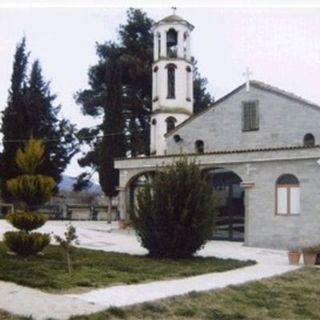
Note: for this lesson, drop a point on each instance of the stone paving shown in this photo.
(102, 236)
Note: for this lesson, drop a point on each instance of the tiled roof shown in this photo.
(216, 152)
(254, 83)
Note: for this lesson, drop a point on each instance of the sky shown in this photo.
(280, 45)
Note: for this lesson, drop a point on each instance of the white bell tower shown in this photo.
(172, 84)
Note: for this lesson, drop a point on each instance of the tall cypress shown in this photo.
(31, 112)
(112, 144)
(14, 117)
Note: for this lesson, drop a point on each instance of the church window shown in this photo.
(250, 116)
(199, 146)
(309, 140)
(171, 123)
(287, 195)
(171, 81)
(172, 43)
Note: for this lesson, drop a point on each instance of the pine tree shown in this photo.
(30, 111)
(136, 46)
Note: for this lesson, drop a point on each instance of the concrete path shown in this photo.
(99, 235)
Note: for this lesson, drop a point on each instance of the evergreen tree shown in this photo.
(136, 46)
(112, 144)
(30, 111)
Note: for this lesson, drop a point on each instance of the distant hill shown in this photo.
(67, 182)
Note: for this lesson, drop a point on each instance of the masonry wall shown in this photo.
(265, 227)
(283, 122)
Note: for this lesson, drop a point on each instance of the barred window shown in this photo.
(250, 116)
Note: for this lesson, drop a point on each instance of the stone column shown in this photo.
(247, 185)
(163, 50)
(122, 205)
(180, 44)
(155, 46)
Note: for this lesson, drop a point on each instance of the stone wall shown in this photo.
(260, 170)
(283, 122)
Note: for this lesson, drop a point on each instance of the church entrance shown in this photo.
(230, 219)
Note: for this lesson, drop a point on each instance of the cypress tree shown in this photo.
(31, 112)
(112, 144)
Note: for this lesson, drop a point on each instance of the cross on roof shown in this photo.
(174, 10)
(247, 75)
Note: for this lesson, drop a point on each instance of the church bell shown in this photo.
(172, 38)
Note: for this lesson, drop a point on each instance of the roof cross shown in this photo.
(247, 75)
(174, 10)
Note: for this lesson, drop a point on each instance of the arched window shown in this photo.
(172, 43)
(171, 81)
(287, 195)
(309, 140)
(171, 123)
(199, 146)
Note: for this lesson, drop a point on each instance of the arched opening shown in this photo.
(171, 81)
(199, 146)
(136, 184)
(287, 195)
(309, 140)
(171, 123)
(172, 43)
(231, 211)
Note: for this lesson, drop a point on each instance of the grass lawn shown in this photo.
(293, 296)
(94, 269)
(7, 316)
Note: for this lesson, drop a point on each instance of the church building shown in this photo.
(258, 145)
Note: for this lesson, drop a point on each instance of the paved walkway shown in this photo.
(98, 235)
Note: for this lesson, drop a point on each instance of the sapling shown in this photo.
(67, 243)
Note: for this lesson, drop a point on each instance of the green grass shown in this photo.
(94, 269)
(293, 296)
(7, 316)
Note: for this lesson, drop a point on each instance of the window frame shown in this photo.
(250, 127)
(171, 69)
(287, 187)
(309, 140)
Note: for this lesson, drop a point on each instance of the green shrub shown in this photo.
(26, 221)
(175, 213)
(26, 244)
(31, 189)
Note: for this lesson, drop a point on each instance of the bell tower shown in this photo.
(172, 84)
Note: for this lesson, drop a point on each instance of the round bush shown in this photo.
(175, 213)
(27, 221)
(26, 244)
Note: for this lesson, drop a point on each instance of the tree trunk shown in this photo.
(109, 209)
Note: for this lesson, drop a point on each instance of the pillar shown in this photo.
(247, 185)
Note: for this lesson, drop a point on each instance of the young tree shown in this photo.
(30, 111)
(31, 189)
(175, 213)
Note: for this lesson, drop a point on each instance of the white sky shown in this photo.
(281, 45)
